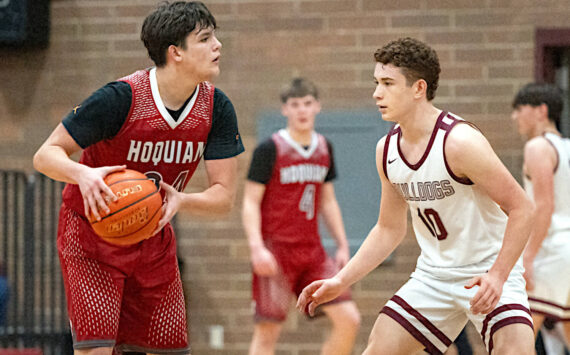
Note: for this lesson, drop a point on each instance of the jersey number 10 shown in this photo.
(433, 222)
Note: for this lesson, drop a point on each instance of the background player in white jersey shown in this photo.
(289, 185)
(546, 169)
(453, 183)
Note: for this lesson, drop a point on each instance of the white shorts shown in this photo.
(551, 293)
(435, 311)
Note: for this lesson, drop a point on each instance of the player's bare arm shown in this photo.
(53, 159)
(540, 161)
(384, 237)
(330, 210)
(470, 155)
(217, 199)
(262, 260)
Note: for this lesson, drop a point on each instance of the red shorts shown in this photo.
(129, 298)
(298, 267)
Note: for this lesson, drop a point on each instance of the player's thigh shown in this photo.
(513, 339)
(344, 314)
(390, 338)
(94, 351)
(267, 332)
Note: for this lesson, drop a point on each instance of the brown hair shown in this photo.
(415, 59)
(170, 24)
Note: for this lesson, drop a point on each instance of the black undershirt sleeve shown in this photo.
(101, 115)
(224, 140)
(263, 160)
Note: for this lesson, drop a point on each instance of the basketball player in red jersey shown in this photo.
(289, 185)
(160, 121)
(470, 217)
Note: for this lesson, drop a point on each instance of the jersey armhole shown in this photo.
(131, 109)
(465, 180)
(556, 152)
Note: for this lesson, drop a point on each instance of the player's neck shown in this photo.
(173, 91)
(302, 137)
(541, 130)
(419, 122)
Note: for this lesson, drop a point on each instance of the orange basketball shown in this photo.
(135, 214)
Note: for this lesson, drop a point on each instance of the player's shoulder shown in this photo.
(538, 146)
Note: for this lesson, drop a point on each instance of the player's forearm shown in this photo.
(377, 246)
(333, 219)
(251, 220)
(539, 231)
(54, 162)
(515, 239)
(216, 200)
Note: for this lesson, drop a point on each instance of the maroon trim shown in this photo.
(385, 154)
(549, 303)
(465, 180)
(503, 323)
(501, 309)
(432, 328)
(417, 165)
(555, 150)
(430, 347)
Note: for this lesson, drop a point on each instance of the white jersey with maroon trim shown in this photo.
(150, 140)
(560, 222)
(290, 203)
(458, 227)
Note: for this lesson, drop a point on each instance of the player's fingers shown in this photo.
(312, 306)
(91, 204)
(111, 169)
(474, 281)
(101, 203)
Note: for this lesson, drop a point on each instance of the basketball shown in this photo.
(135, 214)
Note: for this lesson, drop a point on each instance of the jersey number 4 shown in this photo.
(307, 203)
(433, 222)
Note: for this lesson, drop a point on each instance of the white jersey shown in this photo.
(560, 222)
(458, 227)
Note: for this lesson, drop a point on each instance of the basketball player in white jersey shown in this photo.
(470, 217)
(546, 170)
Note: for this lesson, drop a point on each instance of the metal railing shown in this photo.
(35, 314)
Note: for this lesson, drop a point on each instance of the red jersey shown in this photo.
(290, 204)
(150, 140)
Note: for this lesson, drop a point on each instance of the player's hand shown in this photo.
(342, 256)
(96, 194)
(171, 205)
(263, 262)
(488, 295)
(529, 274)
(317, 293)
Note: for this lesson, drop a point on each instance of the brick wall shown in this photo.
(486, 49)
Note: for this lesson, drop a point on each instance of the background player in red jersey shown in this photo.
(546, 171)
(159, 121)
(289, 185)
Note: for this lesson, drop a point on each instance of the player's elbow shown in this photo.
(38, 161)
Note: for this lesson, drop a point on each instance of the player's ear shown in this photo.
(420, 88)
(543, 109)
(173, 53)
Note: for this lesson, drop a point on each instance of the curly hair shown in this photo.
(415, 59)
(170, 24)
(536, 94)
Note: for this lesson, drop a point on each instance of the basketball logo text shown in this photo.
(138, 216)
(425, 191)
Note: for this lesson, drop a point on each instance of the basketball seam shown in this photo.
(127, 206)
